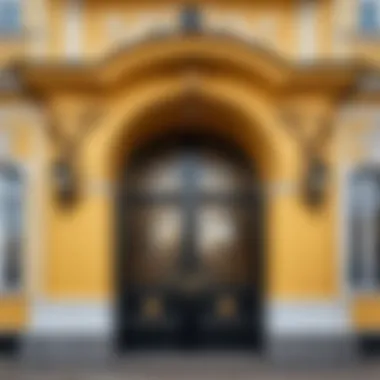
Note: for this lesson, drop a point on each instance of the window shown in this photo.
(10, 17)
(364, 228)
(190, 18)
(11, 222)
(369, 16)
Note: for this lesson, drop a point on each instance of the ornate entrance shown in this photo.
(190, 215)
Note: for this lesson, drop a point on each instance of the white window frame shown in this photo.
(8, 190)
(366, 258)
(74, 29)
(308, 10)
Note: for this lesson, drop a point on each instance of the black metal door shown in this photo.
(189, 231)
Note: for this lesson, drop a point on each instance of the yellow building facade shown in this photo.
(293, 85)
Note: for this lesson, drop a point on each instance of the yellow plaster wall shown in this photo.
(300, 250)
(13, 314)
(365, 311)
(301, 245)
(79, 258)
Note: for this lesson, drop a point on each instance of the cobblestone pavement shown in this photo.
(187, 367)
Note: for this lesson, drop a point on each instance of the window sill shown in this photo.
(11, 294)
(366, 291)
(12, 36)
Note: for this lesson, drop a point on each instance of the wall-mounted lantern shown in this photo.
(315, 175)
(65, 181)
(64, 175)
(315, 179)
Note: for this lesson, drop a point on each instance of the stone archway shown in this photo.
(240, 83)
(205, 125)
(163, 108)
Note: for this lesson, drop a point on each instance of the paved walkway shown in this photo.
(201, 366)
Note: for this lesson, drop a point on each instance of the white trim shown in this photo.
(106, 187)
(24, 168)
(343, 231)
(369, 283)
(37, 206)
(307, 29)
(281, 188)
(71, 318)
(347, 168)
(344, 20)
(37, 22)
(3, 239)
(74, 29)
(343, 210)
(337, 40)
(368, 229)
(4, 142)
(33, 173)
(21, 285)
(307, 318)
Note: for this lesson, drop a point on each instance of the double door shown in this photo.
(189, 275)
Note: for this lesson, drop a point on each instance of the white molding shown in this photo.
(343, 230)
(35, 206)
(79, 318)
(37, 23)
(358, 112)
(346, 168)
(115, 28)
(24, 169)
(100, 187)
(307, 29)
(74, 29)
(281, 188)
(307, 318)
(4, 142)
(7, 116)
(106, 187)
(344, 21)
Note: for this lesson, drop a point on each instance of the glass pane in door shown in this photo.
(156, 174)
(155, 240)
(220, 174)
(222, 244)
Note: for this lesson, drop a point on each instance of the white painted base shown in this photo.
(307, 318)
(309, 333)
(65, 319)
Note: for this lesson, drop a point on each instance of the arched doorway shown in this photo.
(189, 270)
